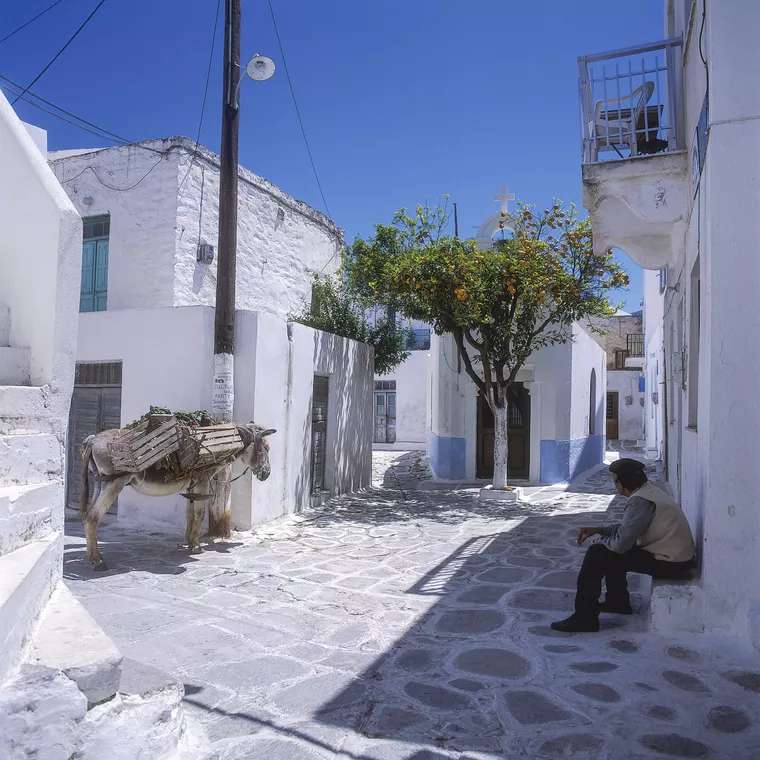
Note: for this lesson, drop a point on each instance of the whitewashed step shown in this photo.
(27, 578)
(14, 365)
(68, 639)
(5, 325)
(30, 458)
(27, 513)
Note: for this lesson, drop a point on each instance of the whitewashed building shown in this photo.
(148, 285)
(556, 414)
(401, 404)
(671, 176)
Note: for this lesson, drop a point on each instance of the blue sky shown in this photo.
(403, 100)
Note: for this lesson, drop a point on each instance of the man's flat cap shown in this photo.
(627, 467)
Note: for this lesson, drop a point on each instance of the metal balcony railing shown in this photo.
(630, 101)
(634, 344)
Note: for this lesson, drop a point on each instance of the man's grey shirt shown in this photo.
(621, 537)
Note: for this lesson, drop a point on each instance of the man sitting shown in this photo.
(654, 539)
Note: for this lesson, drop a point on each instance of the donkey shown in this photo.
(109, 482)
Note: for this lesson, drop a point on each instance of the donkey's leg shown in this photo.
(108, 493)
(219, 513)
(196, 512)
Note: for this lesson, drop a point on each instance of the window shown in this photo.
(94, 286)
(635, 344)
(663, 278)
(592, 404)
(385, 385)
(693, 368)
(620, 356)
(321, 391)
(418, 339)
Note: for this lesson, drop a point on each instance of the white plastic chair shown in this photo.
(613, 129)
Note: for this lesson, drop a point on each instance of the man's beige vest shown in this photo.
(668, 536)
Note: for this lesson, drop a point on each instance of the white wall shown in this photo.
(156, 226)
(166, 357)
(40, 250)
(654, 365)
(282, 242)
(412, 390)
(630, 415)
(143, 219)
(167, 361)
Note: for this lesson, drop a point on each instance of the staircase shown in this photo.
(65, 690)
(31, 501)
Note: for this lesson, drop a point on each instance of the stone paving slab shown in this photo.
(413, 624)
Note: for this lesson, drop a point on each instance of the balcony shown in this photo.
(632, 149)
(635, 344)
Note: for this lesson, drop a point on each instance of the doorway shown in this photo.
(518, 435)
(612, 415)
(95, 406)
(385, 411)
(321, 392)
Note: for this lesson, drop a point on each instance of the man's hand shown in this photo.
(585, 533)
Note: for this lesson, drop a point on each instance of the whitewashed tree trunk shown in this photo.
(500, 446)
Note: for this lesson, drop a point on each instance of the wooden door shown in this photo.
(518, 436)
(612, 415)
(321, 391)
(95, 406)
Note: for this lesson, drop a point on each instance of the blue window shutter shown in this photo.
(87, 289)
(101, 275)
(642, 384)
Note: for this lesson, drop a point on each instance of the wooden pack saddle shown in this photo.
(162, 440)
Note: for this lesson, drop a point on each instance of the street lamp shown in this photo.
(259, 68)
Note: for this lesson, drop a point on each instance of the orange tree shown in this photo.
(500, 305)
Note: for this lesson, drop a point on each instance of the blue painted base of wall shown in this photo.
(447, 457)
(561, 461)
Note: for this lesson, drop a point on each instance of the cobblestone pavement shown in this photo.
(408, 624)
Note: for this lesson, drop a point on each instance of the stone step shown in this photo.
(27, 578)
(27, 513)
(26, 408)
(30, 458)
(5, 325)
(68, 639)
(14, 365)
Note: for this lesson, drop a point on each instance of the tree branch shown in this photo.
(469, 369)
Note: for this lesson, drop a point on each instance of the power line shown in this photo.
(30, 21)
(298, 110)
(62, 114)
(205, 93)
(58, 54)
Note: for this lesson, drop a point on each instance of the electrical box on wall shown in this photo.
(205, 253)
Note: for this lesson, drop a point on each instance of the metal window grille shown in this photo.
(385, 385)
(418, 339)
(630, 101)
(97, 373)
(635, 344)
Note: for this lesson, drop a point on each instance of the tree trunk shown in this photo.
(500, 445)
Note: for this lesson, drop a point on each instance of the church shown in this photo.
(556, 409)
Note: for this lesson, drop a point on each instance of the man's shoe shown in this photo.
(574, 624)
(617, 609)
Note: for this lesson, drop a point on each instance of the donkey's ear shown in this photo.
(268, 431)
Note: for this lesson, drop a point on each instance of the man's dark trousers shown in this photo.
(602, 563)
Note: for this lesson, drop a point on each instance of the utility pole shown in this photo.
(224, 320)
(223, 400)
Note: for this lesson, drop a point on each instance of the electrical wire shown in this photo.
(109, 186)
(205, 93)
(30, 21)
(298, 110)
(58, 54)
(58, 112)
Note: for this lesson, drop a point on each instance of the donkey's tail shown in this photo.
(84, 490)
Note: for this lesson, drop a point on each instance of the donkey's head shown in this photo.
(256, 452)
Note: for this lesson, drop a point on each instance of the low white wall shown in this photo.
(287, 356)
(167, 361)
(412, 390)
(630, 415)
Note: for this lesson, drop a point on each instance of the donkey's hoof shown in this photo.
(100, 565)
(195, 549)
